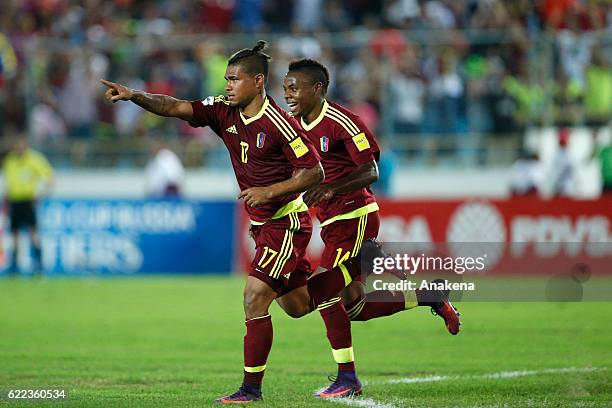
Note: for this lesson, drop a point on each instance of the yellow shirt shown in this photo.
(23, 174)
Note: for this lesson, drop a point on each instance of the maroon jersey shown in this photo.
(344, 143)
(264, 149)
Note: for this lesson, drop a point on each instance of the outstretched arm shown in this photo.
(162, 105)
(302, 180)
(363, 176)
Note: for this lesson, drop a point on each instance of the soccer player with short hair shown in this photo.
(346, 206)
(274, 162)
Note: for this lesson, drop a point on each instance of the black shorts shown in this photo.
(22, 214)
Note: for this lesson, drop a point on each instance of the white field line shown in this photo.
(370, 403)
(490, 376)
(361, 402)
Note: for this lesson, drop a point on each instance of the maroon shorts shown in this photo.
(343, 238)
(280, 252)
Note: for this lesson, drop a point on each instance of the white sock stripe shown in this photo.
(328, 303)
(356, 312)
(260, 317)
(356, 307)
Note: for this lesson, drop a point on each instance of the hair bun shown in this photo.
(261, 45)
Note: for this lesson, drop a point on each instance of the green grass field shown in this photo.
(177, 342)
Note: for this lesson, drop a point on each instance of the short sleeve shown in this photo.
(42, 166)
(360, 142)
(207, 112)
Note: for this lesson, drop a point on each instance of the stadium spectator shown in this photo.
(128, 118)
(164, 173)
(402, 13)
(73, 91)
(445, 93)
(216, 16)
(47, 126)
(335, 17)
(574, 48)
(605, 157)
(568, 100)
(490, 14)
(528, 96)
(554, 12)
(408, 89)
(27, 176)
(477, 69)
(440, 14)
(562, 172)
(526, 175)
(212, 61)
(389, 43)
(8, 68)
(248, 15)
(308, 15)
(598, 92)
(8, 59)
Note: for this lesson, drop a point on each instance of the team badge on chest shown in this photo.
(324, 144)
(261, 139)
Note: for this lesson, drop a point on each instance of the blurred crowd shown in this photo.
(452, 73)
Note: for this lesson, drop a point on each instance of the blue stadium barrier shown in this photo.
(127, 237)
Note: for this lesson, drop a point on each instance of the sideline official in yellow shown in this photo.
(27, 176)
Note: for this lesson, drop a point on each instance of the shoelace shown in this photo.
(241, 391)
(434, 311)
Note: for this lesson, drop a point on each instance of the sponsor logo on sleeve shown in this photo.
(361, 141)
(298, 146)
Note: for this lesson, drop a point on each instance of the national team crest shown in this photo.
(324, 144)
(261, 139)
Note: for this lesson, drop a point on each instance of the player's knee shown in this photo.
(255, 303)
(298, 312)
(352, 292)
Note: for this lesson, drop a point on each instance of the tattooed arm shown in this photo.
(162, 105)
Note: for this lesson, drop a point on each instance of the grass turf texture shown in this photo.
(177, 342)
